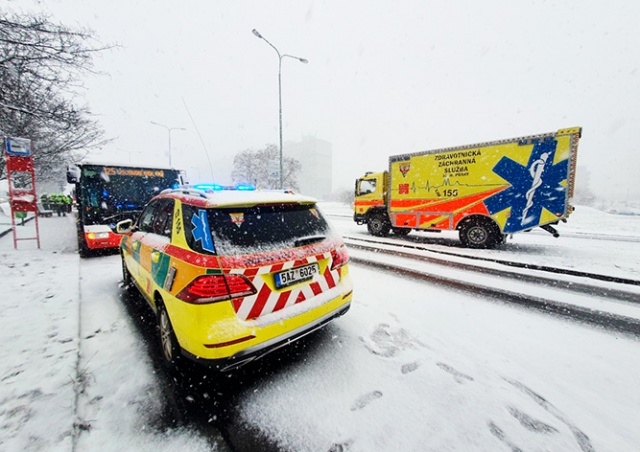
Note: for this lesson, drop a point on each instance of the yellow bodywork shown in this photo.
(519, 183)
(214, 331)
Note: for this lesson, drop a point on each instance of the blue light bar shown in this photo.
(208, 187)
(217, 187)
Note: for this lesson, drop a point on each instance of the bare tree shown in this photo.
(40, 65)
(583, 194)
(261, 168)
(345, 196)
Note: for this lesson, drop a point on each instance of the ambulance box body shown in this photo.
(485, 191)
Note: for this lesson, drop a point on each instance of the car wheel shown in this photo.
(378, 225)
(126, 276)
(168, 341)
(479, 234)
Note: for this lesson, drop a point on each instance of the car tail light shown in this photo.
(212, 288)
(340, 257)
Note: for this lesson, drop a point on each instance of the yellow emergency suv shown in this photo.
(484, 191)
(234, 274)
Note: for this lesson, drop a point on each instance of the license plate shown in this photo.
(295, 275)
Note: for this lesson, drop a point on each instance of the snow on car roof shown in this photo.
(212, 198)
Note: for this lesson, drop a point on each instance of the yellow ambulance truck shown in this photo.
(485, 191)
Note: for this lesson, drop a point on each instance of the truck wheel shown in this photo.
(378, 225)
(401, 232)
(477, 233)
(168, 341)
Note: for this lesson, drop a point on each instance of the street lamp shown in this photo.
(280, 57)
(169, 129)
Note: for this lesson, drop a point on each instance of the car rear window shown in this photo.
(246, 230)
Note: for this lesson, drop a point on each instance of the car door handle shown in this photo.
(155, 256)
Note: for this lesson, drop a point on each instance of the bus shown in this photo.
(106, 194)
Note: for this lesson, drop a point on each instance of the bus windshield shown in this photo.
(108, 195)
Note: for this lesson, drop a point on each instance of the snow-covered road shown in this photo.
(591, 241)
(438, 370)
(410, 367)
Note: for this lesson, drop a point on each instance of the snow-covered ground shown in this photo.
(75, 376)
(409, 367)
(591, 241)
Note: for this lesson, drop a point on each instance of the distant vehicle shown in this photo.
(484, 191)
(234, 274)
(107, 194)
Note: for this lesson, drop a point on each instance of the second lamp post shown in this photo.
(169, 129)
(280, 57)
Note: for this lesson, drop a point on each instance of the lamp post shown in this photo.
(280, 57)
(169, 129)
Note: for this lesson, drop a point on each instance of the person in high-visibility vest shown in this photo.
(58, 203)
(67, 203)
(44, 200)
(53, 203)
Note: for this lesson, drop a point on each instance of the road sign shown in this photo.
(18, 147)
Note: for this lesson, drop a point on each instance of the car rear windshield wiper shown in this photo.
(309, 239)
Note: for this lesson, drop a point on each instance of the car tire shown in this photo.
(378, 225)
(127, 282)
(168, 343)
(479, 234)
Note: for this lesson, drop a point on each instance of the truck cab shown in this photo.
(370, 203)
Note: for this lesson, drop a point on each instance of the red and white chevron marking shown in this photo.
(266, 301)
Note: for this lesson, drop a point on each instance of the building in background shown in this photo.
(316, 159)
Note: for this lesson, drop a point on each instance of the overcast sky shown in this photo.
(383, 78)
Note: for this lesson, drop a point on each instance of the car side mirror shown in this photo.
(73, 174)
(124, 227)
